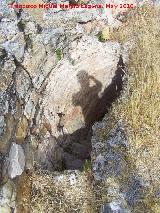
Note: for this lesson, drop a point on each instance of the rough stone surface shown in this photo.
(23, 83)
(72, 163)
(114, 207)
(6, 136)
(49, 154)
(6, 74)
(125, 189)
(80, 151)
(94, 62)
(5, 209)
(6, 193)
(7, 197)
(54, 75)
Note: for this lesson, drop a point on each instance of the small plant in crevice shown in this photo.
(39, 29)
(87, 166)
(59, 54)
(21, 26)
(100, 37)
(73, 62)
(29, 42)
(105, 34)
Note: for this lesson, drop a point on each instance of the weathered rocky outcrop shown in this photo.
(56, 80)
(84, 83)
(49, 76)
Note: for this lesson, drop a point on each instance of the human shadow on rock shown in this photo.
(93, 108)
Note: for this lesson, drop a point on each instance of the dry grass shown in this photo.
(23, 195)
(139, 106)
(53, 193)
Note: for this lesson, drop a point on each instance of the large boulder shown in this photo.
(75, 88)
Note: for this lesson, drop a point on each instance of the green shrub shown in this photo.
(59, 54)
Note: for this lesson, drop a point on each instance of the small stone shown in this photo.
(72, 179)
(29, 109)
(6, 192)
(6, 71)
(113, 207)
(59, 178)
(4, 103)
(43, 129)
(17, 161)
(15, 46)
(23, 83)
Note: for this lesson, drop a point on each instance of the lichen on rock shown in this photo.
(6, 137)
(21, 130)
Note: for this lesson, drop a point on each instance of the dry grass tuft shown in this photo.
(140, 109)
(139, 106)
(24, 187)
(53, 193)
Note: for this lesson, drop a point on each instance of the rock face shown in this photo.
(55, 75)
(56, 80)
(122, 185)
(7, 197)
(7, 133)
(82, 84)
(49, 154)
(109, 162)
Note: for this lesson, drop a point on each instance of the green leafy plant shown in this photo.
(100, 37)
(59, 54)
